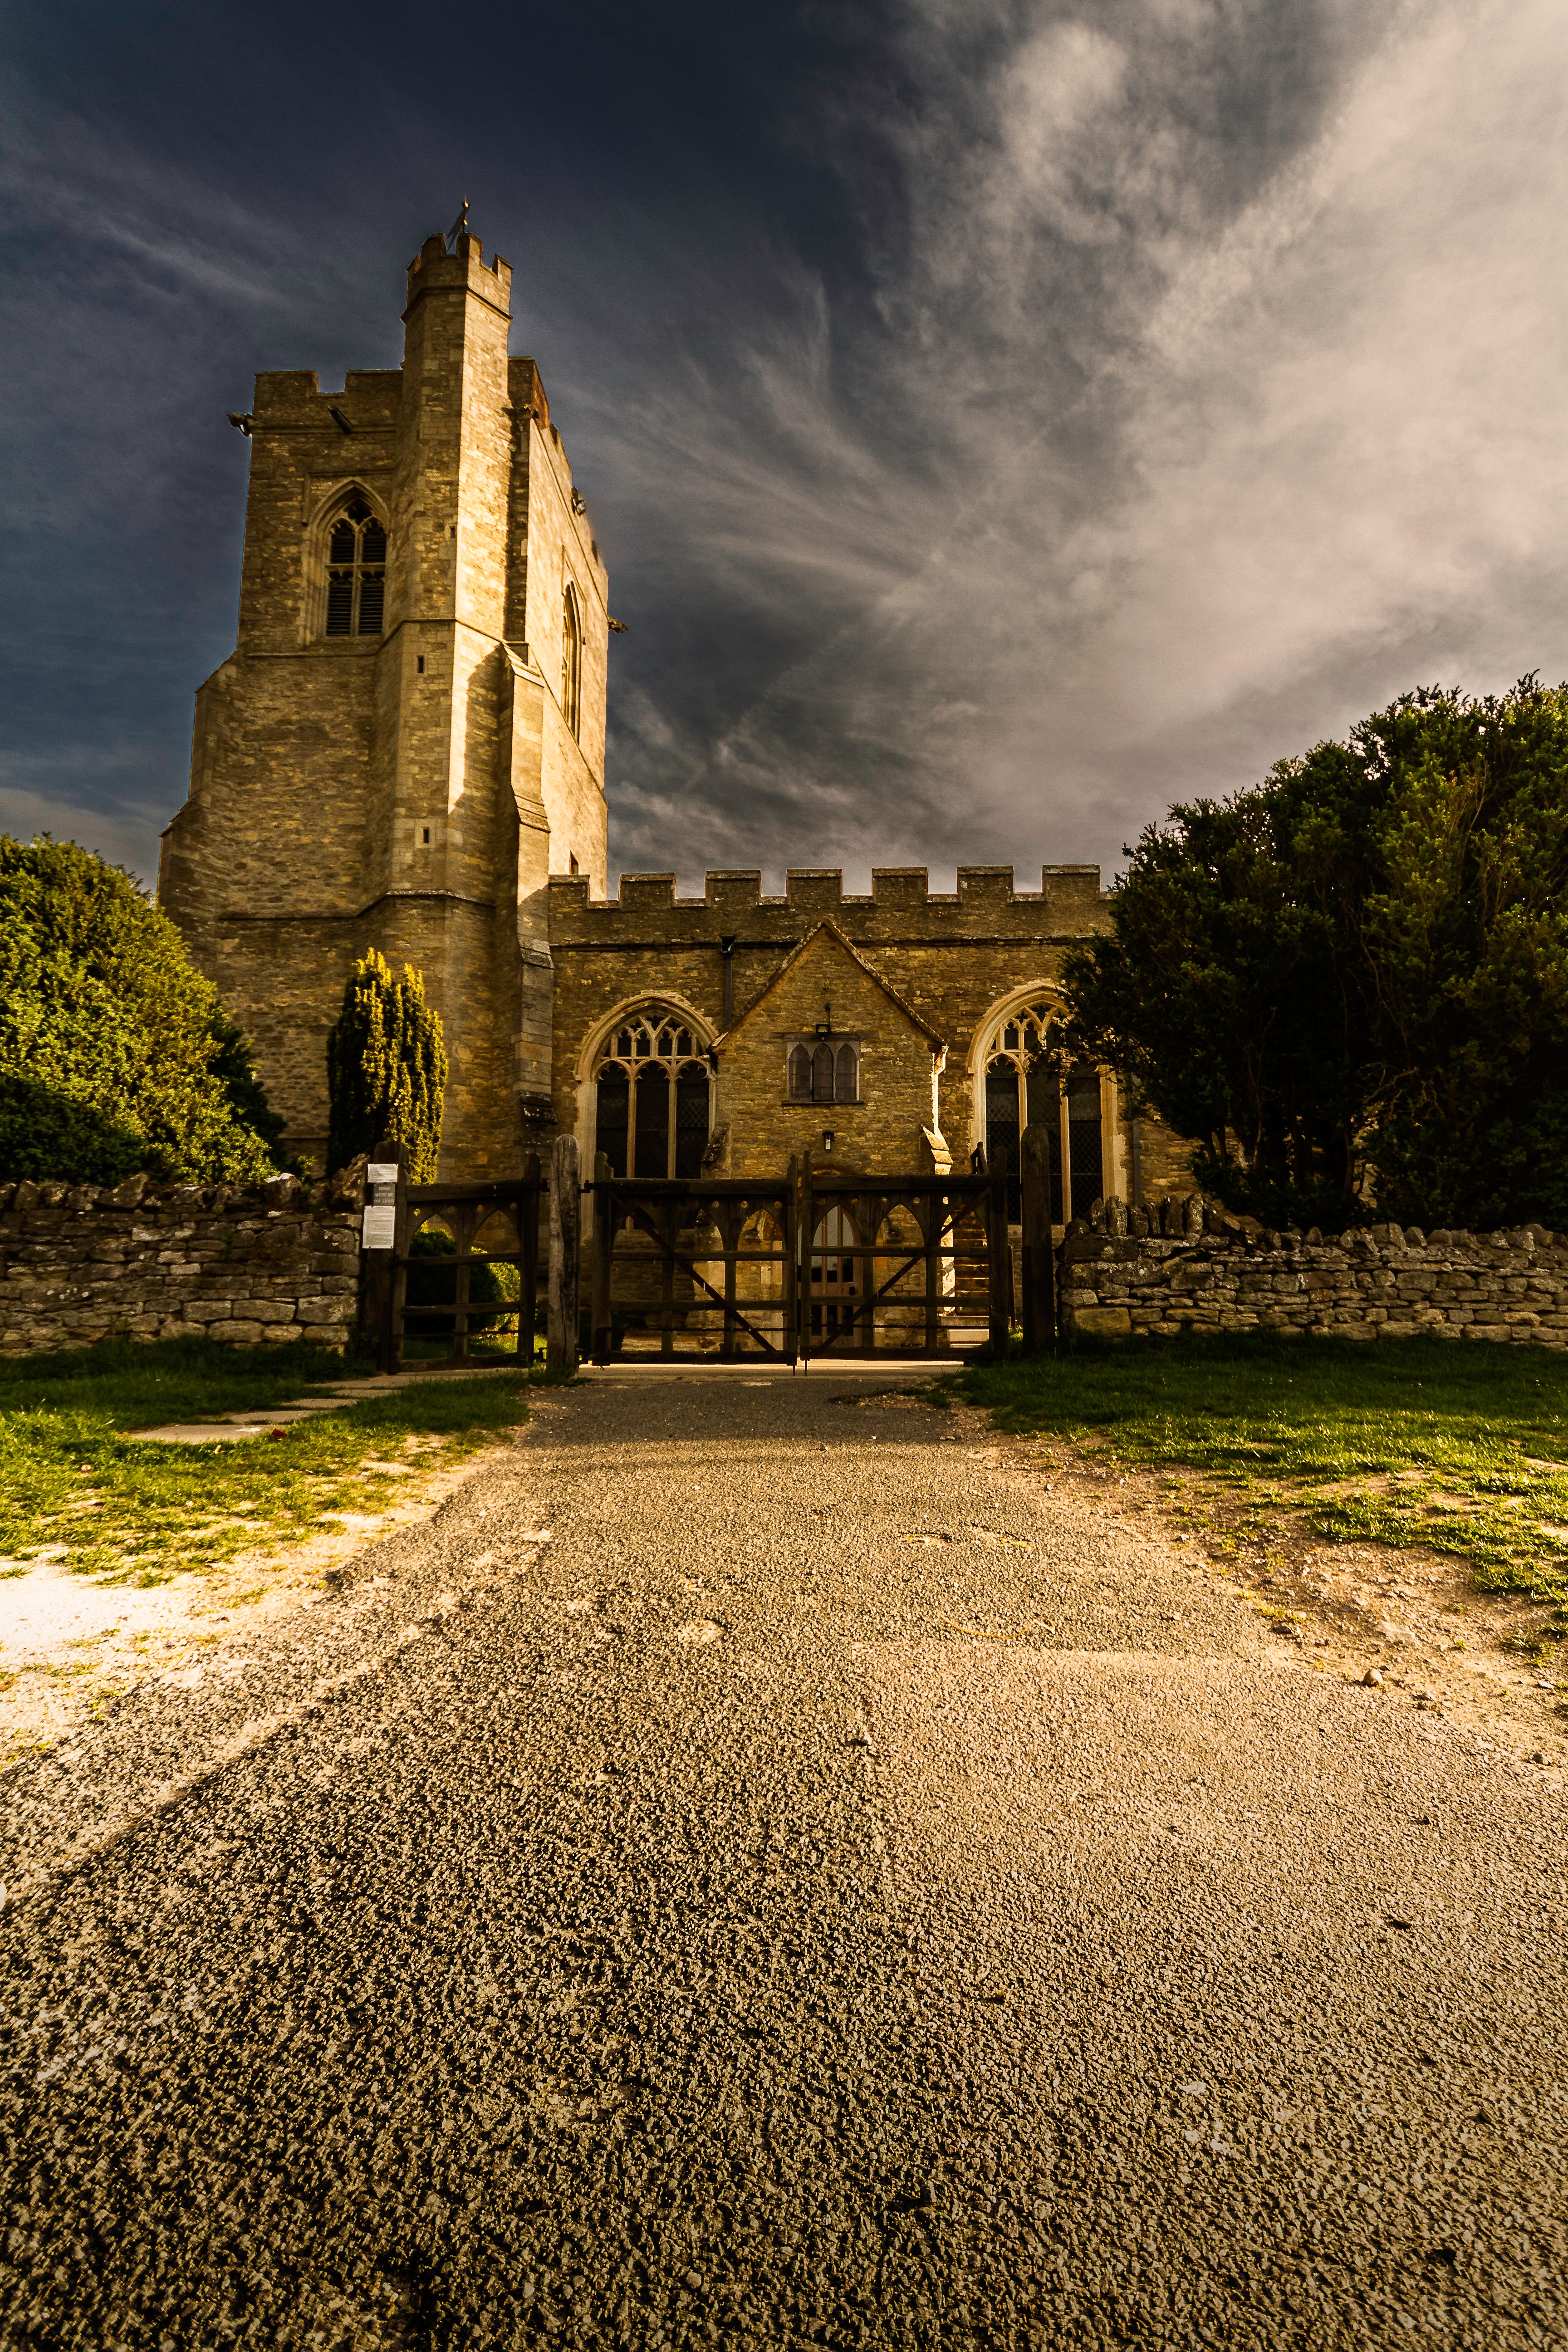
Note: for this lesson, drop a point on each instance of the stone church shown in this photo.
(405, 751)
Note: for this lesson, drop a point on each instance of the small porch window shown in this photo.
(825, 1070)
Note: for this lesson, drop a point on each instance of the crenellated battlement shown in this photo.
(290, 401)
(1069, 898)
(434, 270)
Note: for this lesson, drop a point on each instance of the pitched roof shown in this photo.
(838, 939)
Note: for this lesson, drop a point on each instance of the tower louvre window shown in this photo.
(357, 572)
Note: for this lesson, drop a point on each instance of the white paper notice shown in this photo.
(381, 1172)
(380, 1230)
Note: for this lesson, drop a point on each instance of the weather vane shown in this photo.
(459, 228)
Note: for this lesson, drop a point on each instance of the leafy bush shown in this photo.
(435, 1285)
(115, 1053)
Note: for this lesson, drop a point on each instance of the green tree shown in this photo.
(386, 1068)
(1215, 993)
(1465, 925)
(115, 1053)
(1350, 984)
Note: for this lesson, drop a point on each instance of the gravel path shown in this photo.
(753, 1871)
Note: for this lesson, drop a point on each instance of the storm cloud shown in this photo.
(1000, 421)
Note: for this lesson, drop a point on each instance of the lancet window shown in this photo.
(825, 1070)
(357, 572)
(570, 660)
(653, 1094)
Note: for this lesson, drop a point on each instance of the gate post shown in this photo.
(528, 1252)
(604, 1242)
(1039, 1306)
(384, 1239)
(800, 1274)
(789, 1288)
(998, 1264)
(565, 1241)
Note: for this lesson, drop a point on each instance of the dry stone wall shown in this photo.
(1195, 1267)
(81, 1263)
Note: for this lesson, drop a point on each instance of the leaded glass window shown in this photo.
(828, 1072)
(1023, 1088)
(653, 1097)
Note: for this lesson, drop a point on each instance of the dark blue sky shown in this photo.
(999, 420)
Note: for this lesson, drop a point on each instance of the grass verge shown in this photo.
(76, 1486)
(1462, 1448)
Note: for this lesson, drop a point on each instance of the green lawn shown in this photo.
(1464, 1448)
(73, 1484)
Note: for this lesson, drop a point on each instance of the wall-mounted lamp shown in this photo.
(828, 1139)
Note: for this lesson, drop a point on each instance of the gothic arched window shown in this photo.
(357, 572)
(1024, 1087)
(653, 1096)
(571, 659)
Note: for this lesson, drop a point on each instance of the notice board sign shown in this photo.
(379, 1228)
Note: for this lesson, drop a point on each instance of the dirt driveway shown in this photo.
(755, 1869)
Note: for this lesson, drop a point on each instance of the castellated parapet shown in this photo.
(1069, 896)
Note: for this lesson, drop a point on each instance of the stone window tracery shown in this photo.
(653, 1093)
(1027, 1082)
(357, 572)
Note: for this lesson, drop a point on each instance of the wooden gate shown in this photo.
(815, 1264)
(705, 1260)
(902, 1265)
(475, 1219)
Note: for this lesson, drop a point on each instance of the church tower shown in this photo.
(409, 735)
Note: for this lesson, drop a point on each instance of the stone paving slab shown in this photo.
(230, 1428)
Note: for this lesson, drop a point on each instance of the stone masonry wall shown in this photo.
(81, 1263)
(1201, 1269)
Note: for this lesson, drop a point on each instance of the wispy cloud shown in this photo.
(1211, 396)
(1075, 408)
